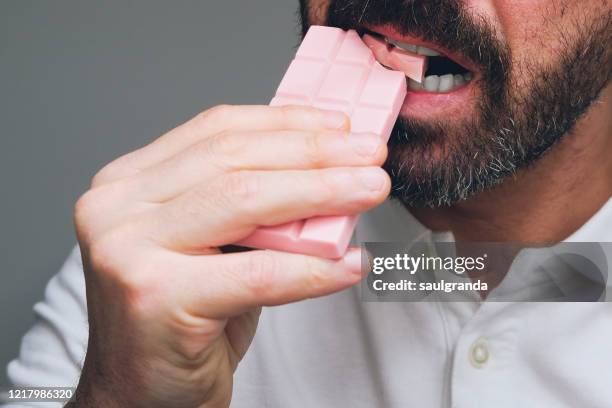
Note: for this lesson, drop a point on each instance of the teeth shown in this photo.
(414, 85)
(427, 52)
(447, 82)
(403, 45)
(432, 83)
(413, 48)
(440, 84)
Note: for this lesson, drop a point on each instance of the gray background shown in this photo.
(84, 81)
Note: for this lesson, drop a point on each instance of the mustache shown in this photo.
(443, 22)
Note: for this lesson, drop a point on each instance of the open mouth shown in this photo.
(442, 74)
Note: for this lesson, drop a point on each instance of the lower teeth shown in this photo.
(440, 84)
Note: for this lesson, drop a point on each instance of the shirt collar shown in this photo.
(597, 229)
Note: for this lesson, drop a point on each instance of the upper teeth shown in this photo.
(417, 49)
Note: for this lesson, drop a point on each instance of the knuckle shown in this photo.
(203, 199)
(293, 110)
(104, 252)
(118, 168)
(242, 187)
(297, 114)
(235, 193)
(84, 208)
(221, 146)
(287, 111)
(103, 176)
(315, 149)
(82, 205)
(131, 272)
(99, 178)
(327, 188)
(261, 269)
(317, 278)
(216, 113)
(94, 209)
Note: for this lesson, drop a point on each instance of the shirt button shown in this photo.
(479, 353)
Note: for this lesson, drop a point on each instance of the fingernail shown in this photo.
(334, 120)
(352, 259)
(365, 144)
(373, 178)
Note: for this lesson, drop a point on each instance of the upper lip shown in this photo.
(393, 34)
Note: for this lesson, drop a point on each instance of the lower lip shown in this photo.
(428, 104)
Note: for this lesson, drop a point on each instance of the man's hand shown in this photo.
(170, 315)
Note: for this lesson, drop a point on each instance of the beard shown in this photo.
(437, 163)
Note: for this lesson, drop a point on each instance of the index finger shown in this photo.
(222, 118)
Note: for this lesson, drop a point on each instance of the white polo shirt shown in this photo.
(339, 351)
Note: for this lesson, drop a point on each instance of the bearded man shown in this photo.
(508, 139)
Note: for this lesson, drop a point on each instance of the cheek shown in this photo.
(534, 30)
(525, 25)
(532, 20)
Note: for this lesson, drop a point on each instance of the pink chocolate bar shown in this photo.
(411, 64)
(333, 69)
